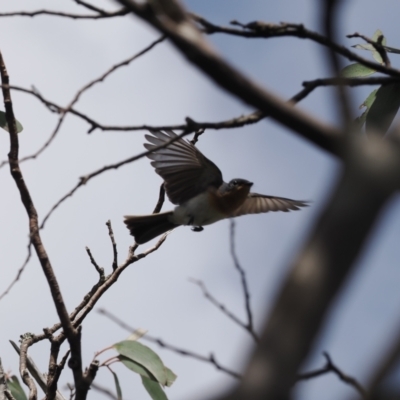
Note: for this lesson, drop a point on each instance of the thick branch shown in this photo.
(34, 227)
(193, 46)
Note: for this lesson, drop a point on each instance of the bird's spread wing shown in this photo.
(185, 170)
(259, 203)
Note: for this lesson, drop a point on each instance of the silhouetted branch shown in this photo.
(111, 14)
(209, 359)
(259, 29)
(246, 293)
(36, 240)
(376, 44)
(223, 308)
(69, 108)
(20, 271)
(331, 367)
(114, 245)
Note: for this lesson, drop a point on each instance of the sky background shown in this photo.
(58, 56)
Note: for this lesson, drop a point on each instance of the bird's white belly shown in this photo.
(196, 211)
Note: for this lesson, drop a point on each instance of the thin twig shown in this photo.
(114, 245)
(119, 13)
(64, 111)
(35, 237)
(210, 359)
(20, 271)
(243, 279)
(223, 308)
(85, 179)
(267, 30)
(196, 136)
(377, 46)
(94, 263)
(331, 367)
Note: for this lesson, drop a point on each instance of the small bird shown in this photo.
(194, 183)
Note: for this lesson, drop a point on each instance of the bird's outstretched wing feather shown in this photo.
(185, 170)
(258, 203)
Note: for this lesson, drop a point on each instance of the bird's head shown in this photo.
(239, 185)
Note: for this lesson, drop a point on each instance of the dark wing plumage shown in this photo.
(259, 203)
(185, 170)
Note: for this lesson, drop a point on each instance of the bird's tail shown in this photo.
(146, 227)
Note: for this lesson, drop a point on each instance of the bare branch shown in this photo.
(23, 368)
(331, 367)
(64, 111)
(20, 271)
(85, 179)
(94, 263)
(36, 240)
(223, 308)
(259, 29)
(114, 245)
(246, 294)
(321, 268)
(210, 359)
(120, 13)
(377, 45)
(185, 36)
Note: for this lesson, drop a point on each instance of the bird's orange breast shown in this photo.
(228, 202)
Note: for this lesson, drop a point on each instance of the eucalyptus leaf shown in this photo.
(16, 389)
(171, 377)
(139, 369)
(143, 356)
(135, 367)
(370, 47)
(4, 125)
(356, 70)
(359, 122)
(383, 109)
(376, 35)
(154, 389)
(364, 46)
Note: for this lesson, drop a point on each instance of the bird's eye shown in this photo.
(235, 182)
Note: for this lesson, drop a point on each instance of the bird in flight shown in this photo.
(194, 183)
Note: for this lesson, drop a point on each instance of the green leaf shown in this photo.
(154, 389)
(171, 377)
(117, 385)
(135, 367)
(139, 369)
(370, 47)
(367, 104)
(378, 58)
(383, 109)
(376, 35)
(16, 389)
(143, 356)
(356, 70)
(3, 122)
